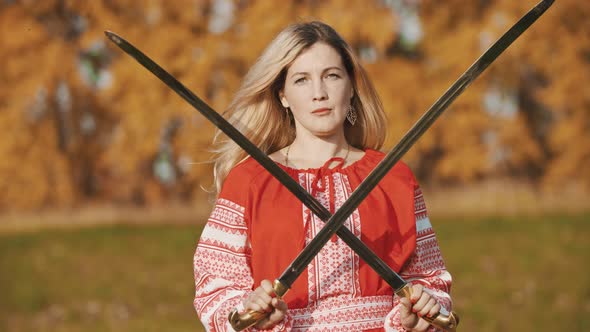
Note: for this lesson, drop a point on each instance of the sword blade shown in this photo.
(336, 221)
(392, 278)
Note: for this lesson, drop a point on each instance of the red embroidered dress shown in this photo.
(258, 227)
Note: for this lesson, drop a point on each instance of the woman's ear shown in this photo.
(284, 101)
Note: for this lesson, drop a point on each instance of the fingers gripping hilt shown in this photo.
(447, 323)
(241, 321)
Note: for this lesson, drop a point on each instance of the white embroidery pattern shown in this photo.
(334, 271)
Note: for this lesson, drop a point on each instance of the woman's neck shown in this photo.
(314, 152)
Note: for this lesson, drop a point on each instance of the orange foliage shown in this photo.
(83, 122)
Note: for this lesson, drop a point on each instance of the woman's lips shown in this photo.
(321, 110)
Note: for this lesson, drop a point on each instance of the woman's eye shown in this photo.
(333, 75)
(300, 80)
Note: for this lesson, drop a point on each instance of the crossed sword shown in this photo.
(281, 285)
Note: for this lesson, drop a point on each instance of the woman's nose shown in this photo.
(319, 91)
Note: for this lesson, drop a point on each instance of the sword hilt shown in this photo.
(447, 323)
(249, 318)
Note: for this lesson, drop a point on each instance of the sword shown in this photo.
(423, 124)
(316, 207)
(242, 321)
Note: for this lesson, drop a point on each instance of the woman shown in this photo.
(308, 103)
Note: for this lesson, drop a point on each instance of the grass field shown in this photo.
(510, 274)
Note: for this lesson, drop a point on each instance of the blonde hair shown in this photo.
(257, 112)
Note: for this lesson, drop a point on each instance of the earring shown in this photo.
(351, 115)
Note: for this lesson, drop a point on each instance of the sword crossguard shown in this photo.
(445, 322)
(241, 321)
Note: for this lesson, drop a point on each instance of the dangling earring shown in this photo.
(351, 115)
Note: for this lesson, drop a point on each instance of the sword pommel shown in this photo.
(241, 321)
(445, 322)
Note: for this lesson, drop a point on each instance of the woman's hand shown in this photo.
(262, 300)
(419, 305)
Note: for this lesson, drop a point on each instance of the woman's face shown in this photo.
(318, 91)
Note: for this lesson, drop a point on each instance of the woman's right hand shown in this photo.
(262, 299)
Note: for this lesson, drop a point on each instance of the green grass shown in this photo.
(526, 274)
(112, 278)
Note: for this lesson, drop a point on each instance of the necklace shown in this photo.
(289, 148)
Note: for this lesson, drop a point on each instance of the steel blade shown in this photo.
(364, 252)
(336, 221)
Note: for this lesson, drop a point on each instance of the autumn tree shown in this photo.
(83, 122)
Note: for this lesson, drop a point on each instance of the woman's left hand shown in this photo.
(419, 305)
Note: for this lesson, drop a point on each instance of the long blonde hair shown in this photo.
(257, 112)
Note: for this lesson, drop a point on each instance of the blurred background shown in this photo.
(105, 171)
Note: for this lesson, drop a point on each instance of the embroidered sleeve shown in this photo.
(425, 266)
(222, 268)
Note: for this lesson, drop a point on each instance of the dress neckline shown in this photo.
(353, 165)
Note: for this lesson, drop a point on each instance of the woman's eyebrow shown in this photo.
(323, 71)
